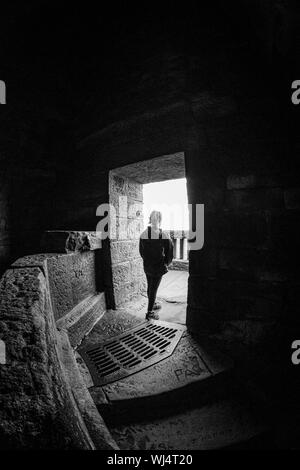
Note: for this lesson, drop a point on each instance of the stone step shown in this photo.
(223, 423)
(193, 374)
(186, 377)
(82, 318)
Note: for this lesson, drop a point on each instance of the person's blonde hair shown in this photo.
(155, 215)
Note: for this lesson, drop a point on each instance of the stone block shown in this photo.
(212, 198)
(127, 291)
(124, 250)
(122, 274)
(247, 332)
(179, 265)
(126, 207)
(135, 190)
(136, 267)
(238, 230)
(204, 262)
(241, 182)
(199, 293)
(61, 241)
(293, 303)
(241, 264)
(71, 279)
(292, 198)
(35, 260)
(135, 209)
(258, 300)
(37, 408)
(228, 300)
(254, 199)
(284, 229)
(87, 320)
(200, 320)
(128, 228)
(117, 184)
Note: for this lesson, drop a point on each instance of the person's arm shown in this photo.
(169, 250)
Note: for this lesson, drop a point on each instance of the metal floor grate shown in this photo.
(130, 352)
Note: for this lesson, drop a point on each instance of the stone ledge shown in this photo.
(64, 241)
(179, 265)
(82, 318)
(101, 437)
(37, 407)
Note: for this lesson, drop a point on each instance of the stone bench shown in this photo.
(48, 304)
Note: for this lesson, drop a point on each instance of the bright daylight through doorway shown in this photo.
(170, 198)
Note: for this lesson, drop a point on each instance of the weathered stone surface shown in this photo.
(254, 199)
(199, 293)
(38, 260)
(152, 170)
(124, 250)
(71, 279)
(4, 257)
(97, 429)
(204, 262)
(236, 300)
(212, 198)
(213, 426)
(117, 184)
(128, 229)
(248, 332)
(127, 271)
(37, 407)
(126, 207)
(126, 195)
(179, 265)
(82, 318)
(292, 198)
(261, 180)
(241, 264)
(128, 290)
(113, 322)
(61, 241)
(134, 190)
(121, 273)
(240, 230)
(4, 223)
(241, 182)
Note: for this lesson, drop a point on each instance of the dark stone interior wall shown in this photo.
(4, 221)
(29, 177)
(213, 98)
(211, 81)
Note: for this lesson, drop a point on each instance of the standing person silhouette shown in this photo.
(156, 249)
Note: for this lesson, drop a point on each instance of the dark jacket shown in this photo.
(157, 253)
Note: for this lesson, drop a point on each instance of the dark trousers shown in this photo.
(153, 284)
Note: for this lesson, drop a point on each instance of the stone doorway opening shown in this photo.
(128, 187)
(170, 198)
